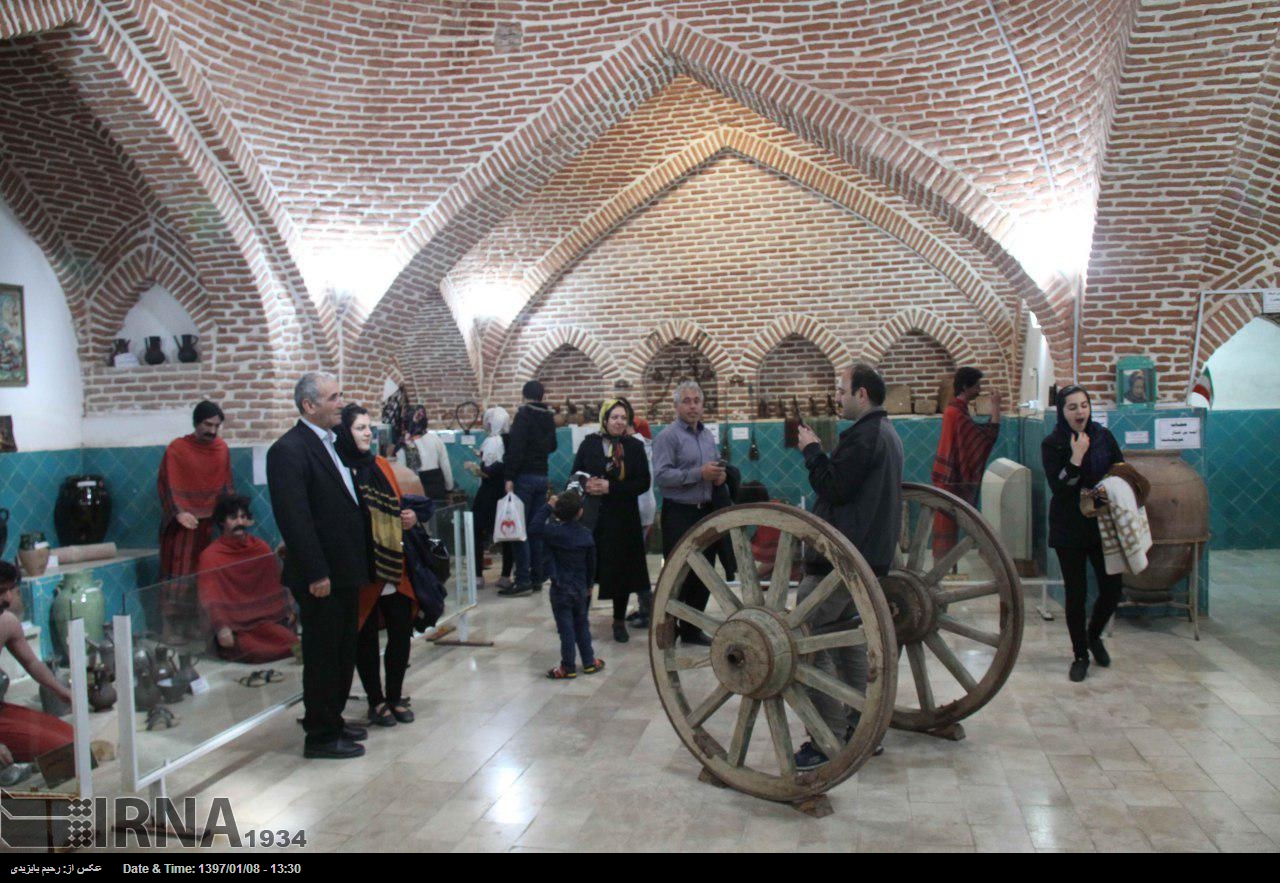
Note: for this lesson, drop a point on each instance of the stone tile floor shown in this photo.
(1176, 747)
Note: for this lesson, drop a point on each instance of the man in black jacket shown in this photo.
(859, 490)
(323, 524)
(529, 445)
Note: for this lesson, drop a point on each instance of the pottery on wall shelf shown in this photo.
(83, 510)
(154, 354)
(187, 348)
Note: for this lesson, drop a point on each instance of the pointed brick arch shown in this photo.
(917, 319)
(794, 325)
(635, 70)
(577, 338)
(678, 329)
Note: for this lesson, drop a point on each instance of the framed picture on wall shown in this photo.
(1135, 382)
(13, 337)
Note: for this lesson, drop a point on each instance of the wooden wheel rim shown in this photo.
(852, 575)
(1004, 583)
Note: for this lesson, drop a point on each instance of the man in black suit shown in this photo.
(322, 522)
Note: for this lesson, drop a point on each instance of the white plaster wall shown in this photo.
(1246, 369)
(48, 411)
(157, 313)
(136, 429)
(1037, 367)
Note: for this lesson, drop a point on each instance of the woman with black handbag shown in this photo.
(619, 473)
(387, 601)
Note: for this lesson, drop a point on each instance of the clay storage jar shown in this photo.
(1178, 510)
(83, 510)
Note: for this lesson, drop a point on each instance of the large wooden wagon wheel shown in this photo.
(761, 657)
(969, 624)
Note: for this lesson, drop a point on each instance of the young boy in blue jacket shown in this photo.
(572, 559)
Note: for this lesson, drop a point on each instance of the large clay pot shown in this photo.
(1178, 511)
(4, 529)
(78, 597)
(83, 510)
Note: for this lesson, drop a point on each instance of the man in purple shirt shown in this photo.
(688, 470)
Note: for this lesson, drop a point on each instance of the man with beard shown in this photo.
(240, 590)
(194, 472)
(327, 559)
(25, 733)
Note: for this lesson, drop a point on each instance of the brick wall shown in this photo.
(795, 368)
(918, 361)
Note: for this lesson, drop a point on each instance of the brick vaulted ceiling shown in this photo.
(435, 147)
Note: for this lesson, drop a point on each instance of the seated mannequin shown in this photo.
(25, 733)
(238, 581)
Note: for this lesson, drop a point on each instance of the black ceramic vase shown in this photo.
(187, 348)
(154, 354)
(4, 530)
(83, 510)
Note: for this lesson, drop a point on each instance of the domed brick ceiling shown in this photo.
(393, 188)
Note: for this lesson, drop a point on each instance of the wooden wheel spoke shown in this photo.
(684, 612)
(956, 627)
(811, 676)
(947, 561)
(780, 579)
(741, 739)
(748, 576)
(776, 715)
(965, 593)
(847, 638)
(709, 706)
(799, 700)
(919, 671)
(672, 662)
(940, 649)
(821, 592)
(915, 551)
(715, 583)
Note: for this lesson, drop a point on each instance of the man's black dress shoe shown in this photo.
(352, 733)
(338, 749)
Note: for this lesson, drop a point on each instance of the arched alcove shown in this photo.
(672, 364)
(917, 361)
(568, 374)
(157, 314)
(795, 368)
(1246, 369)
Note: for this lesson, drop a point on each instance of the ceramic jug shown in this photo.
(78, 597)
(154, 354)
(102, 693)
(187, 348)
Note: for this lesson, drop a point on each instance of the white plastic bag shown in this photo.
(508, 524)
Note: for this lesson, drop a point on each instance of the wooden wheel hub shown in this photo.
(753, 654)
(915, 613)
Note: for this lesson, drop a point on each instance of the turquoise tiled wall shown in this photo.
(1243, 466)
(29, 484)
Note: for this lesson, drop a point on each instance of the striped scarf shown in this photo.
(383, 503)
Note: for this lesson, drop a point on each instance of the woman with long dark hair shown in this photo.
(1076, 456)
(619, 473)
(388, 600)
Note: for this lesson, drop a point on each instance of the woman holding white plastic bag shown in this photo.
(492, 476)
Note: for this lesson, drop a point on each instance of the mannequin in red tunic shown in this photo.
(240, 590)
(194, 472)
(25, 733)
(962, 455)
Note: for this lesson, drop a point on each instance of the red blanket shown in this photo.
(239, 584)
(962, 454)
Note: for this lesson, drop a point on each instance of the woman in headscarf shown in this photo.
(387, 601)
(1076, 456)
(619, 474)
(492, 489)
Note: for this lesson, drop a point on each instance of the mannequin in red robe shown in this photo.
(240, 590)
(962, 454)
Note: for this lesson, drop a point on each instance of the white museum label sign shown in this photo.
(1177, 433)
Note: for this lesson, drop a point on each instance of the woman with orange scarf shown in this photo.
(388, 601)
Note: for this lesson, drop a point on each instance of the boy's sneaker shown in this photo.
(593, 667)
(559, 673)
(809, 757)
(520, 589)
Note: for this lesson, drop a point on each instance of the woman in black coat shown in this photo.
(1076, 456)
(491, 490)
(619, 473)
